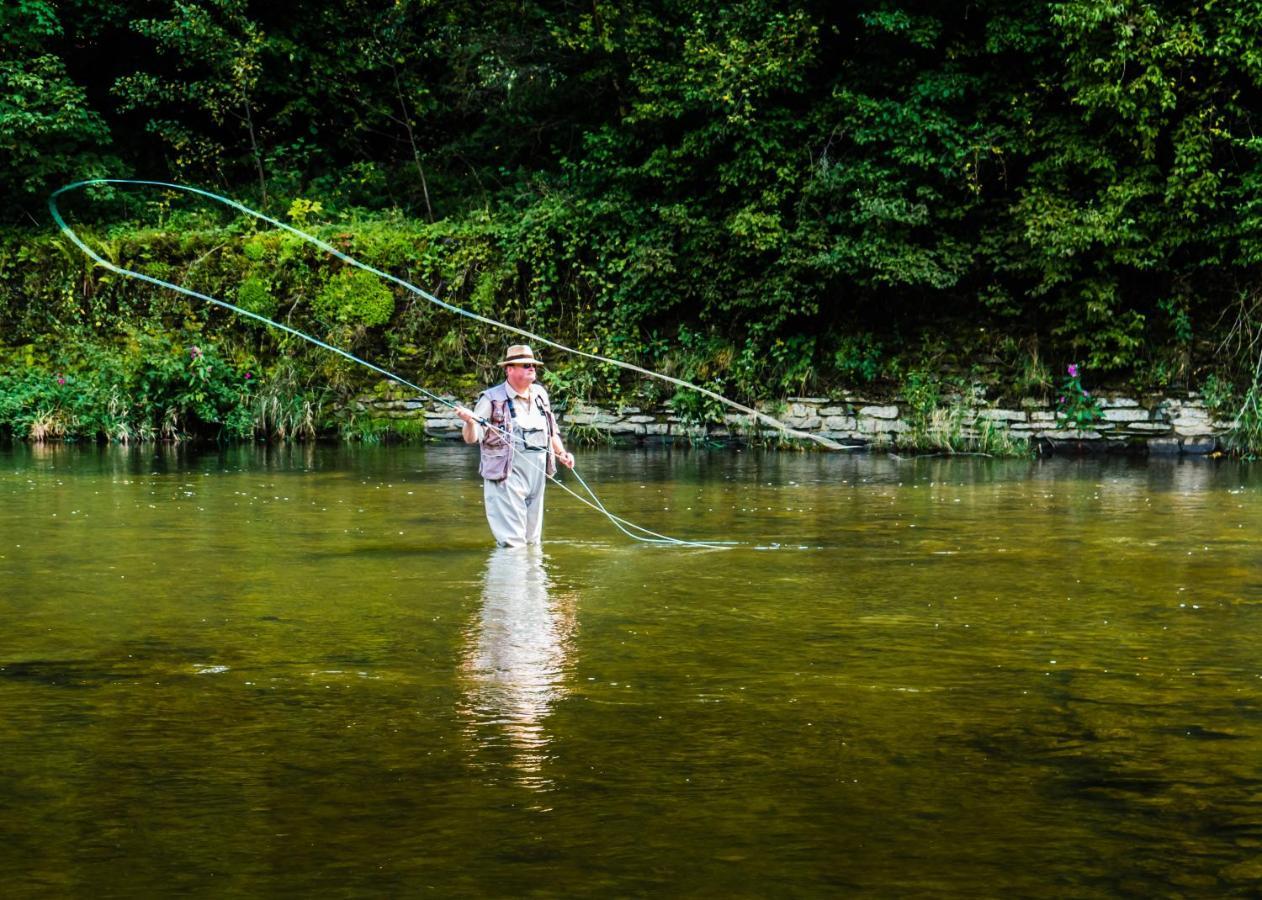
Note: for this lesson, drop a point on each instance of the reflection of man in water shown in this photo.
(517, 653)
(517, 433)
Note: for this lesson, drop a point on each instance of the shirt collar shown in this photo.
(514, 395)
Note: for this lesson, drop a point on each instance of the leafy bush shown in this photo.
(145, 387)
(255, 295)
(355, 297)
(1075, 407)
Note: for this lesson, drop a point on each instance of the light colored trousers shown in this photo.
(514, 506)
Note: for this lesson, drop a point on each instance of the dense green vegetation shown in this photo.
(768, 197)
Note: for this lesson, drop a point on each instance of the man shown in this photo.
(519, 443)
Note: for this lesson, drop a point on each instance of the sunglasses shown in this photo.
(524, 365)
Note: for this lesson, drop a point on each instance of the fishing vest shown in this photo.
(497, 440)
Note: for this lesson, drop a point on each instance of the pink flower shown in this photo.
(1062, 399)
(249, 375)
(194, 352)
(61, 379)
(1086, 393)
(1073, 371)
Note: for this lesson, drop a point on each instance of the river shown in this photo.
(305, 671)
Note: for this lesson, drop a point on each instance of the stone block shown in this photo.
(1199, 446)
(397, 404)
(879, 412)
(1042, 416)
(1002, 415)
(577, 418)
(1191, 428)
(1118, 403)
(641, 420)
(657, 428)
(625, 428)
(1126, 414)
(827, 411)
(1186, 413)
(804, 423)
(841, 423)
(1147, 427)
(1164, 446)
(882, 426)
(1070, 435)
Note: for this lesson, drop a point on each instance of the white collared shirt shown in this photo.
(528, 417)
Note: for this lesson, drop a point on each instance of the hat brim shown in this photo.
(519, 362)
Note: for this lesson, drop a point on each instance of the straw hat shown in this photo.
(519, 353)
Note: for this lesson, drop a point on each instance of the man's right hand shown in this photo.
(466, 415)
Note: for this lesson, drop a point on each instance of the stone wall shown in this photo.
(1159, 425)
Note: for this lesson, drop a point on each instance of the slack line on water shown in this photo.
(622, 524)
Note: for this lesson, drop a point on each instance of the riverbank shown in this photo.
(1134, 425)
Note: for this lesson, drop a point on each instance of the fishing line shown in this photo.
(752, 413)
(621, 524)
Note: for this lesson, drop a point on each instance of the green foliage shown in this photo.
(142, 388)
(1075, 407)
(48, 127)
(1219, 396)
(354, 297)
(255, 295)
(1245, 435)
(767, 198)
(922, 392)
(858, 359)
(212, 65)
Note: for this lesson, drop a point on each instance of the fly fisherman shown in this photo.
(514, 426)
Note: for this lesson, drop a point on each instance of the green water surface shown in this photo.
(306, 672)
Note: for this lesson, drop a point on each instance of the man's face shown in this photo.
(520, 377)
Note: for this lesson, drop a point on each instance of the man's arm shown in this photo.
(474, 419)
(564, 457)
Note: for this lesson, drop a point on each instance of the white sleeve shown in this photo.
(481, 409)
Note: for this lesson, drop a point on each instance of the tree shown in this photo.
(49, 135)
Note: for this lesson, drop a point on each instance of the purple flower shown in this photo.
(1073, 371)
(61, 379)
(249, 375)
(1086, 393)
(1062, 399)
(194, 352)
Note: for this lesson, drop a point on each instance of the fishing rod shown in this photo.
(620, 523)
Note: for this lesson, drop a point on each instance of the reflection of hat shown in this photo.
(519, 353)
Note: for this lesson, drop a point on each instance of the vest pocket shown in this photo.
(495, 461)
